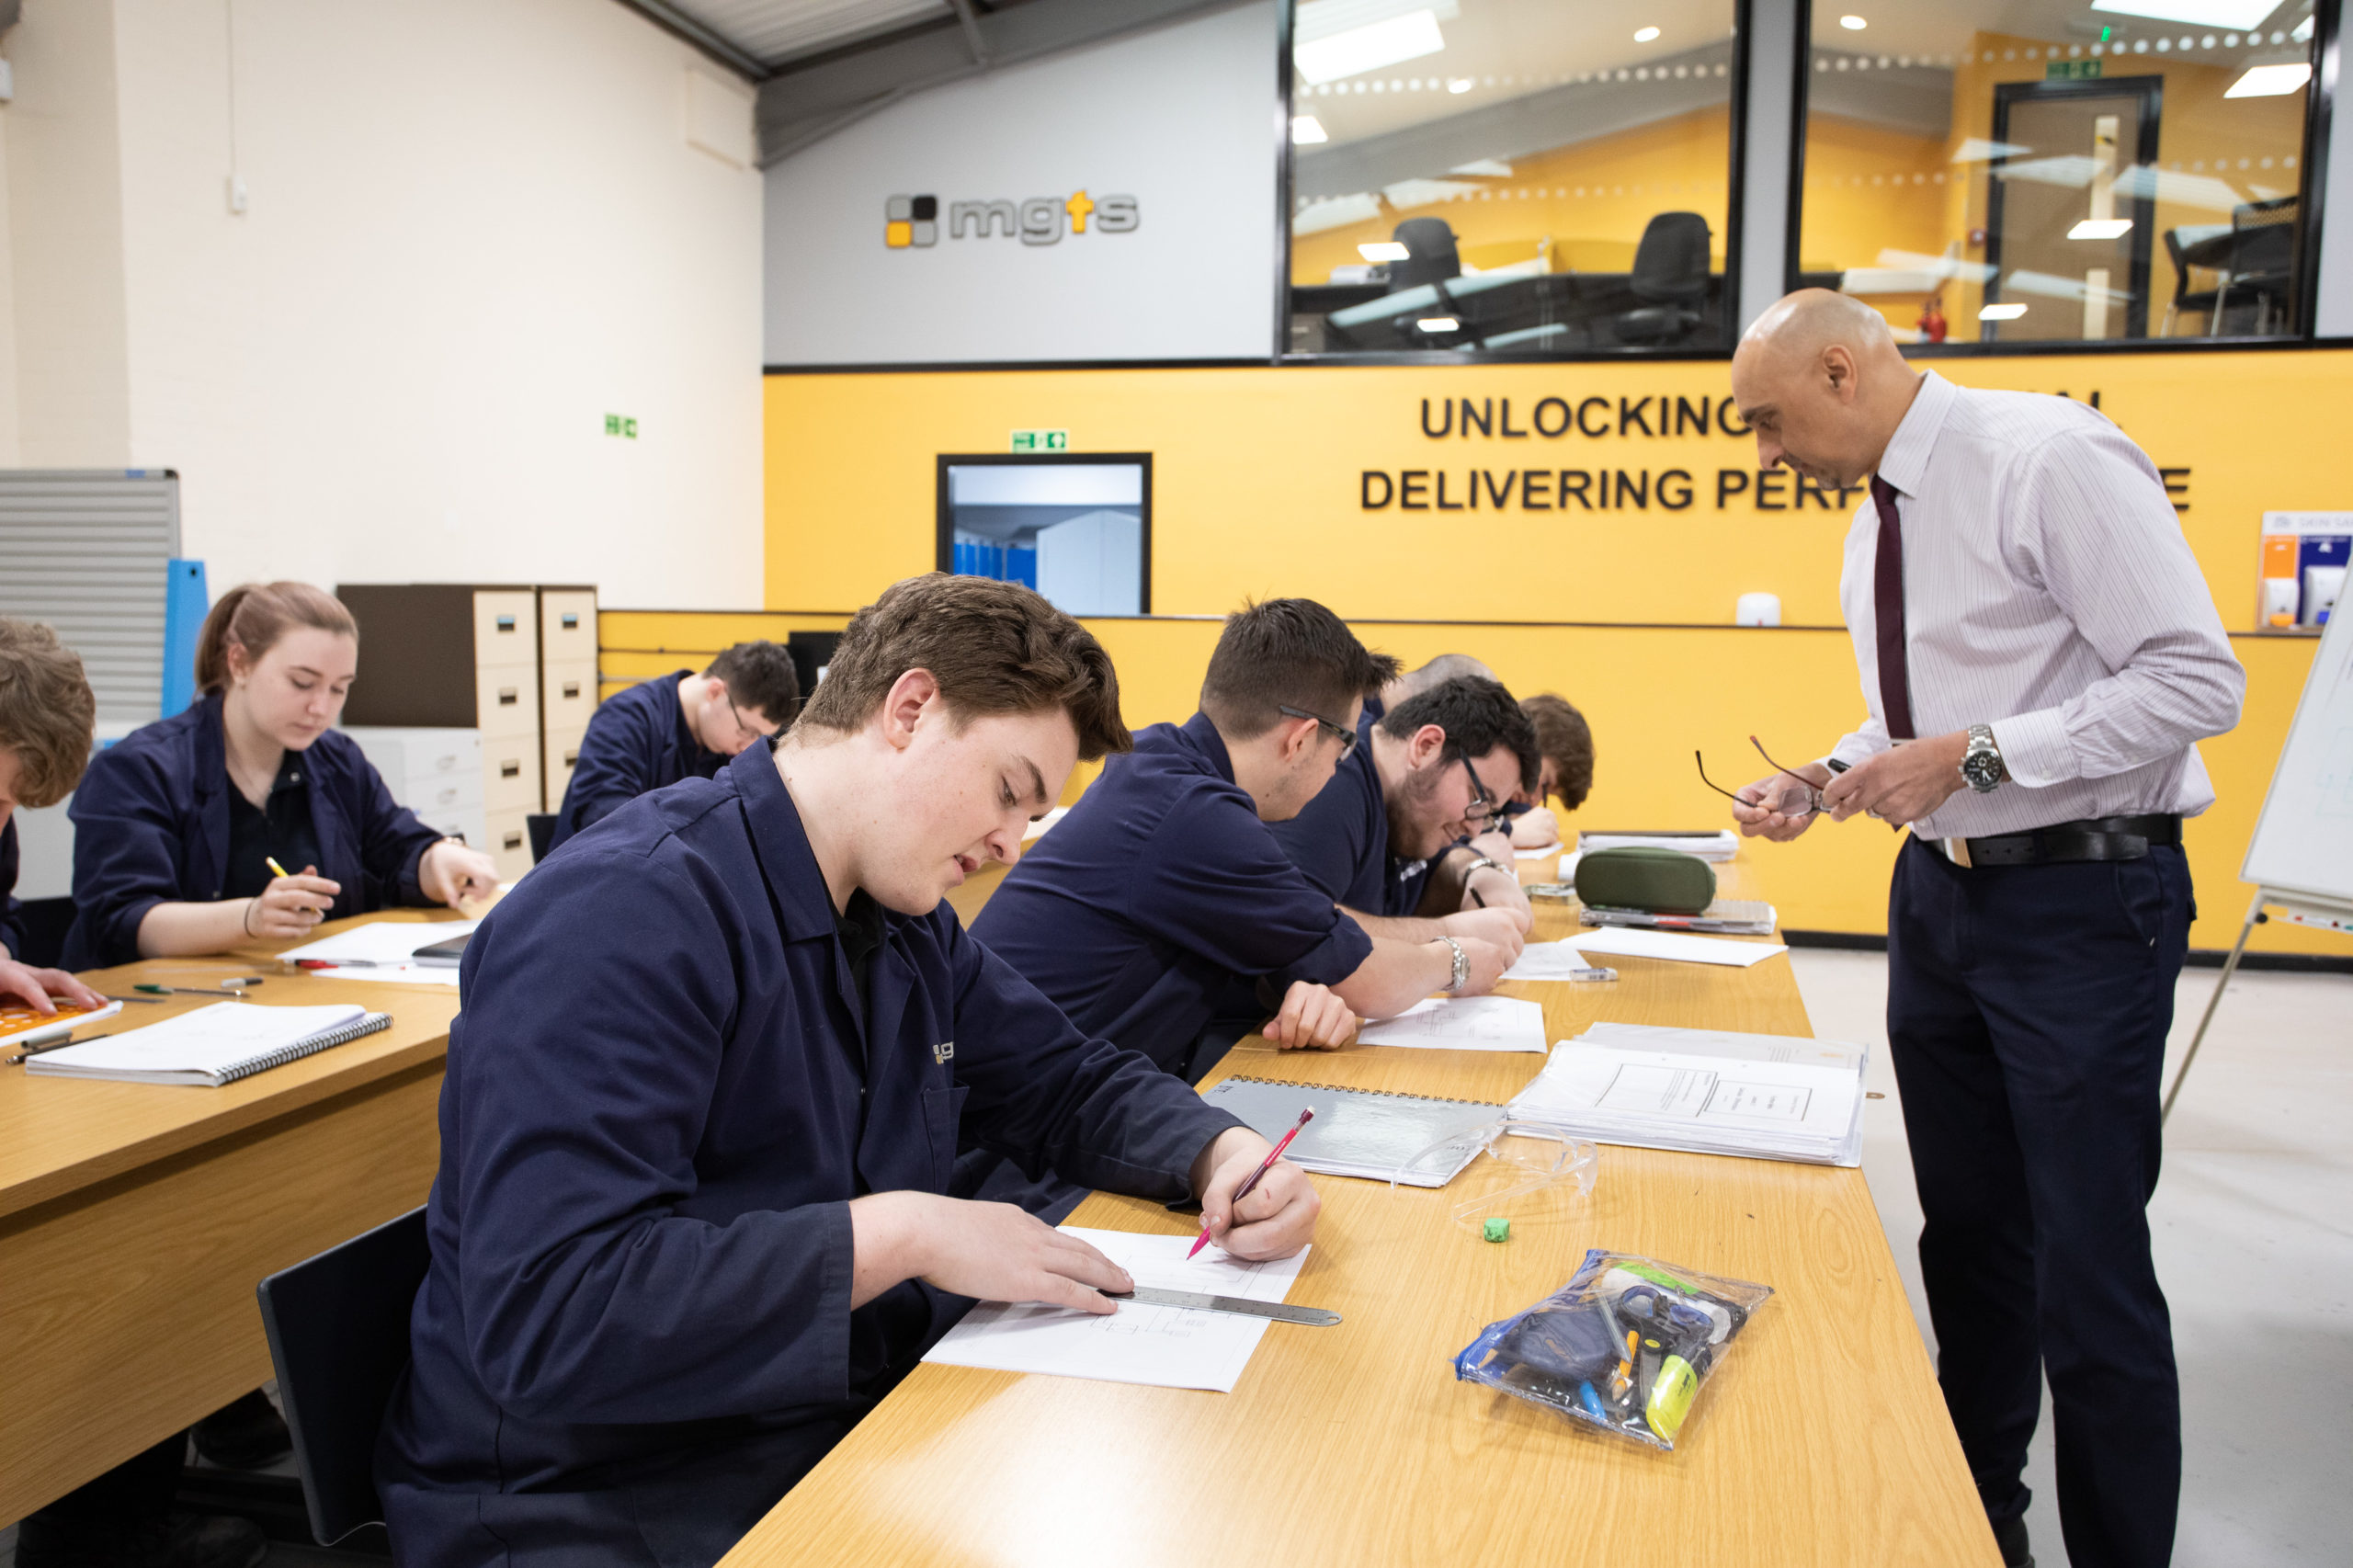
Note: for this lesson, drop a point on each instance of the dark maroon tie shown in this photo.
(1887, 612)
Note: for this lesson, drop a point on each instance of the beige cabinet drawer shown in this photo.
(567, 694)
(506, 702)
(509, 843)
(559, 755)
(510, 773)
(568, 626)
(506, 627)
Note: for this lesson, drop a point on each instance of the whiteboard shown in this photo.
(2303, 841)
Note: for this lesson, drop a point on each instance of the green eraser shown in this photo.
(1498, 1230)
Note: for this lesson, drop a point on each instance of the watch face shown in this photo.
(1982, 768)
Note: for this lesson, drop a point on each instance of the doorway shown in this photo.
(1077, 528)
(2068, 216)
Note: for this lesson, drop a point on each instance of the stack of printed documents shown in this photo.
(1704, 1092)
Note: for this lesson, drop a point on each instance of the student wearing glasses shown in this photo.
(1382, 842)
(682, 725)
(1164, 889)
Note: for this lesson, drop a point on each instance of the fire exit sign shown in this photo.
(1042, 441)
(2072, 69)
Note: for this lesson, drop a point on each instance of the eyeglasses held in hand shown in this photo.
(1813, 793)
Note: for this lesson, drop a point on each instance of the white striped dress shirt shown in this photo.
(2047, 592)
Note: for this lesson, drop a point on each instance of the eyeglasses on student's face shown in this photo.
(743, 732)
(1340, 732)
(1484, 807)
(1806, 804)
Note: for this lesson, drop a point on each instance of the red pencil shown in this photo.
(1252, 1180)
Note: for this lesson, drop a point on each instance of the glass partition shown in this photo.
(1508, 175)
(2043, 172)
(1077, 529)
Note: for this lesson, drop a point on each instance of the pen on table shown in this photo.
(151, 1001)
(52, 1045)
(1252, 1180)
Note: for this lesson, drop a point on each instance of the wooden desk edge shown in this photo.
(63, 1181)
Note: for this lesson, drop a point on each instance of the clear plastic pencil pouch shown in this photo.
(1625, 1345)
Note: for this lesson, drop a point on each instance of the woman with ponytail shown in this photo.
(175, 827)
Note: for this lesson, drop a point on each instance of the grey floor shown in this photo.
(2250, 1222)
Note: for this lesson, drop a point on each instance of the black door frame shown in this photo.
(945, 538)
(2150, 90)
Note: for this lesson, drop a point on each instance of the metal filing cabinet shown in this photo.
(568, 682)
(476, 656)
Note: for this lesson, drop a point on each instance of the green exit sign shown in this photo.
(620, 425)
(2072, 71)
(1042, 441)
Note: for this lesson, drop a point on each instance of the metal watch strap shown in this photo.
(1461, 963)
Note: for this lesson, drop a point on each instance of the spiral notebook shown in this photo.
(1358, 1133)
(213, 1045)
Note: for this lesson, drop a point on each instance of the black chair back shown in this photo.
(338, 1336)
(540, 825)
(1430, 256)
(1671, 263)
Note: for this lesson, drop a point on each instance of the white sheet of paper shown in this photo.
(391, 974)
(1552, 848)
(380, 941)
(1165, 1346)
(1547, 960)
(1636, 942)
(1463, 1023)
(1037, 830)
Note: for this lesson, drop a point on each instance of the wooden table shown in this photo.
(1824, 1440)
(136, 1219)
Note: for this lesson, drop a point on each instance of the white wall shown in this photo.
(1182, 117)
(475, 228)
(72, 392)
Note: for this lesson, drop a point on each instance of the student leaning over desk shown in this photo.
(47, 714)
(681, 725)
(1563, 773)
(175, 825)
(703, 1101)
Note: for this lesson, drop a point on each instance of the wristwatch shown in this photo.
(1461, 964)
(1981, 765)
(1482, 863)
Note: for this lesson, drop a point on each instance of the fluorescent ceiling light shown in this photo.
(1306, 130)
(2002, 313)
(1460, 85)
(2270, 80)
(2238, 15)
(1383, 250)
(1359, 49)
(2303, 31)
(1493, 168)
(1853, 24)
(2100, 229)
(1327, 19)
(1437, 323)
(1646, 35)
(1977, 150)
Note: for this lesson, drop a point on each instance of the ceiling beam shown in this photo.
(800, 104)
(685, 28)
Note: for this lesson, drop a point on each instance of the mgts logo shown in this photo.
(914, 221)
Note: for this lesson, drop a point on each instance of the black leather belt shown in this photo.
(2064, 843)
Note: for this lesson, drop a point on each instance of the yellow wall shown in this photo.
(1584, 206)
(1256, 492)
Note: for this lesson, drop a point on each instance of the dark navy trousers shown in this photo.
(2027, 1010)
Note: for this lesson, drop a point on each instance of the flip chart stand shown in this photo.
(2301, 909)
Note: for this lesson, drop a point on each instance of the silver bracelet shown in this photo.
(1461, 963)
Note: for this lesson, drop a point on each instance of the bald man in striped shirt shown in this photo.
(2039, 656)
